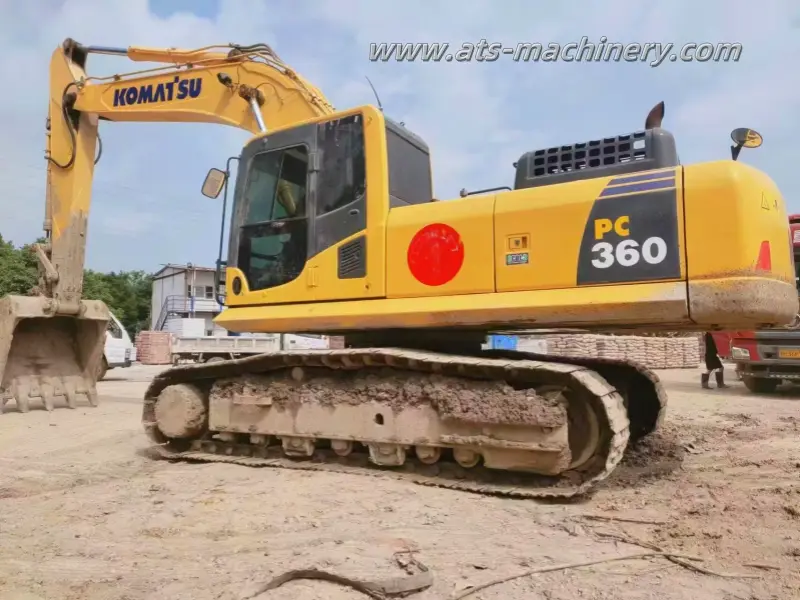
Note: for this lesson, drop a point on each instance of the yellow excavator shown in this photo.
(334, 230)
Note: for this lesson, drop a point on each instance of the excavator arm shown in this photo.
(247, 87)
(51, 344)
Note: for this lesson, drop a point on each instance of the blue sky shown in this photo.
(477, 117)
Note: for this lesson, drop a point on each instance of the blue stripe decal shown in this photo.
(646, 186)
(645, 177)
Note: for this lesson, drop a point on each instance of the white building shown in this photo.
(184, 292)
(183, 302)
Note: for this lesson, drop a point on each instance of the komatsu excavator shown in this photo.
(335, 230)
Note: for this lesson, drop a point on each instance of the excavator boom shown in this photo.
(51, 342)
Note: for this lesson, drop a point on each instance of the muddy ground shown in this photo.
(85, 514)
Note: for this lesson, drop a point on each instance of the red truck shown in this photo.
(767, 357)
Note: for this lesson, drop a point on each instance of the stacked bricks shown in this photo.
(652, 352)
(154, 347)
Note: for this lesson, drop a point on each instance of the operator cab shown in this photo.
(302, 191)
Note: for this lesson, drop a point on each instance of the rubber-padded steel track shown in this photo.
(607, 401)
(645, 396)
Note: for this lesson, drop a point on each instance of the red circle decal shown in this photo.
(435, 254)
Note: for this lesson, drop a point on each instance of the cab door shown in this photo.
(341, 207)
(313, 247)
(339, 264)
(271, 231)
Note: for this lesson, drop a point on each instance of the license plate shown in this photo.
(789, 353)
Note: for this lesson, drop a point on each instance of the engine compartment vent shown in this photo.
(627, 153)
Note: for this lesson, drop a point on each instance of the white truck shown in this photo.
(217, 348)
(119, 350)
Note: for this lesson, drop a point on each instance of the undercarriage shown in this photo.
(495, 422)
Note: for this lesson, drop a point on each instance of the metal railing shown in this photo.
(184, 306)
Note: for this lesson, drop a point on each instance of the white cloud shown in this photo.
(477, 118)
(127, 223)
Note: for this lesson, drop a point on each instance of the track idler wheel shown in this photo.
(584, 426)
(181, 411)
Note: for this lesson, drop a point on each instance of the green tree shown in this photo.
(127, 293)
(18, 271)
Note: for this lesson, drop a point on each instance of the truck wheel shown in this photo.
(101, 372)
(759, 385)
(215, 359)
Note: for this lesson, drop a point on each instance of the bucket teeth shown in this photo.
(71, 396)
(49, 357)
(49, 390)
(36, 389)
(21, 393)
(73, 386)
(47, 395)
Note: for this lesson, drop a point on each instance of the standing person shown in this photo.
(713, 364)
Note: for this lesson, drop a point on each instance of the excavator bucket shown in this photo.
(49, 358)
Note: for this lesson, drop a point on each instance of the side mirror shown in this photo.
(213, 183)
(744, 138)
(748, 138)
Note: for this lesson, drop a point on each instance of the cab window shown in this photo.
(273, 239)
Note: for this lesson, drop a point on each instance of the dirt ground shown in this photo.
(86, 514)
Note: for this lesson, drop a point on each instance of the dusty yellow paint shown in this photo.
(726, 222)
(471, 218)
(720, 202)
(609, 305)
